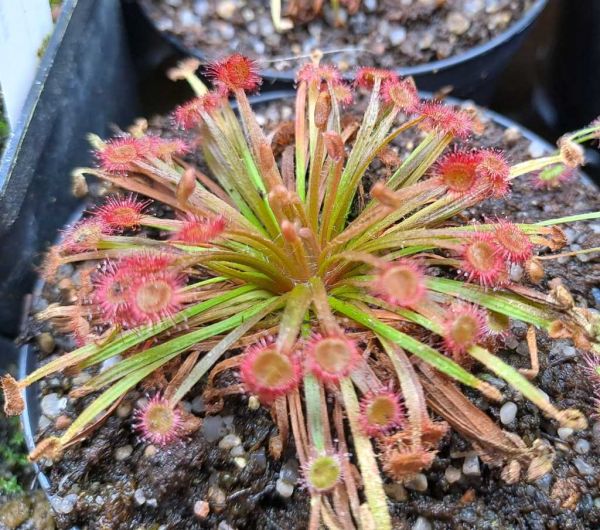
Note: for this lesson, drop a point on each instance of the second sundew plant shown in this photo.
(305, 10)
(345, 318)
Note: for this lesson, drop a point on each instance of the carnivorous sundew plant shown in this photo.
(305, 10)
(346, 318)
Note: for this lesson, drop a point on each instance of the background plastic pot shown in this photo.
(28, 357)
(569, 97)
(85, 83)
(471, 73)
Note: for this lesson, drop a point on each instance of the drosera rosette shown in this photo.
(553, 177)
(140, 288)
(120, 155)
(512, 243)
(323, 472)
(465, 325)
(482, 260)
(401, 283)
(333, 299)
(155, 297)
(121, 213)
(196, 230)
(458, 171)
(85, 235)
(381, 412)
(330, 358)
(268, 372)
(158, 422)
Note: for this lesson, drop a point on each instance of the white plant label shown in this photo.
(24, 25)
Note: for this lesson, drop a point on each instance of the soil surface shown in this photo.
(384, 33)
(115, 481)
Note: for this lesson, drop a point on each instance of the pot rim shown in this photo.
(432, 67)
(25, 359)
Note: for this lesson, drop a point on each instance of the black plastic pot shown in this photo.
(569, 96)
(471, 73)
(85, 83)
(28, 357)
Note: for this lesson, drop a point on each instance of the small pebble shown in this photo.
(417, 483)
(65, 504)
(508, 412)
(545, 481)
(109, 363)
(238, 450)
(201, 509)
(457, 23)
(229, 441)
(46, 342)
(227, 31)
(186, 17)
(421, 524)
(198, 405)
(396, 491)
(139, 497)
(213, 428)
(123, 453)
(564, 433)
(53, 405)
(150, 451)
(536, 149)
(511, 135)
(582, 446)
(472, 7)
(523, 349)
(397, 35)
(516, 272)
(544, 395)
(452, 474)
(124, 410)
(499, 21)
(201, 7)
(426, 40)
(493, 6)
(285, 489)
(240, 462)
(338, 17)
(226, 9)
(570, 235)
(258, 461)
(44, 423)
(289, 472)
(217, 498)
(81, 378)
(471, 466)
(583, 467)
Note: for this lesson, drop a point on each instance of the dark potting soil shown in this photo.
(384, 33)
(114, 481)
